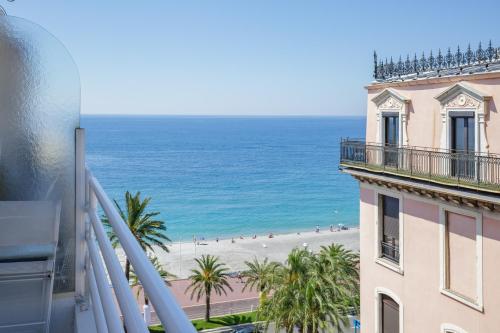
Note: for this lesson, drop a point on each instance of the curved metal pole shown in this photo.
(131, 314)
(110, 311)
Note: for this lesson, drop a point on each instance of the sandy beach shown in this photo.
(180, 259)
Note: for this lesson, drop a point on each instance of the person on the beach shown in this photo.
(254, 236)
(271, 235)
(232, 240)
(317, 228)
(331, 227)
(217, 239)
(241, 237)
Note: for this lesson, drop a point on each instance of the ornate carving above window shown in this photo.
(458, 98)
(462, 101)
(390, 101)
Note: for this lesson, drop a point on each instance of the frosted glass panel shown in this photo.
(39, 111)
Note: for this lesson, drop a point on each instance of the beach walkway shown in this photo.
(180, 259)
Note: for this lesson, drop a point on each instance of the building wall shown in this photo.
(424, 111)
(425, 308)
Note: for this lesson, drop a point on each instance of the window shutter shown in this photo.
(390, 315)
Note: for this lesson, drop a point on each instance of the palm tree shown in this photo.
(165, 276)
(209, 276)
(147, 230)
(260, 275)
(313, 292)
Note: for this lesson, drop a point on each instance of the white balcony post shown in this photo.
(108, 303)
(128, 304)
(147, 314)
(80, 250)
(95, 298)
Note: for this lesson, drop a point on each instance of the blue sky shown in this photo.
(246, 57)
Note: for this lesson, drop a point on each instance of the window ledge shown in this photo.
(462, 299)
(390, 265)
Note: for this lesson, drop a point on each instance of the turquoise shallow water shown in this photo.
(226, 176)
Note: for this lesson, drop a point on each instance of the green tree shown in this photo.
(260, 275)
(313, 292)
(147, 230)
(164, 274)
(210, 276)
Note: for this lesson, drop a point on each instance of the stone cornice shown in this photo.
(434, 80)
(490, 203)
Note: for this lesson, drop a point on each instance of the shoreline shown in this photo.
(248, 235)
(180, 260)
(261, 237)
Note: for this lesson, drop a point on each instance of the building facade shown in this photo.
(430, 196)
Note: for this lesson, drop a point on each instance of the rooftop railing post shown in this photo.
(429, 165)
(477, 162)
(411, 161)
(366, 155)
(383, 157)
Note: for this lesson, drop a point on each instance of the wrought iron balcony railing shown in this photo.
(468, 170)
(389, 251)
(449, 63)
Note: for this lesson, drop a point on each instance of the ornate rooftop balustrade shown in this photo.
(449, 63)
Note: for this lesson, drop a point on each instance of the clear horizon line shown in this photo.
(219, 115)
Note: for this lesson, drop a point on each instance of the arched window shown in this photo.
(450, 328)
(388, 312)
(390, 315)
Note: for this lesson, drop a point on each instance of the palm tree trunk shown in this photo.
(127, 269)
(207, 307)
(262, 297)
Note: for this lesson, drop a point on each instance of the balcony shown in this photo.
(102, 270)
(390, 251)
(465, 170)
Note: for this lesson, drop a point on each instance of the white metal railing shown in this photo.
(98, 245)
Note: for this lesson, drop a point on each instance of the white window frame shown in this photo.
(478, 303)
(451, 101)
(390, 113)
(398, 268)
(379, 291)
(390, 101)
(450, 328)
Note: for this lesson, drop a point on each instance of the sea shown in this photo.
(224, 177)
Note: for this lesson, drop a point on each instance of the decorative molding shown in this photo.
(450, 328)
(458, 89)
(462, 97)
(391, 103)
(462, 101)
(392, 95)
(458, 201)
(390, 100)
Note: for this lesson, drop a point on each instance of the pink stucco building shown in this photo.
(430, 196)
